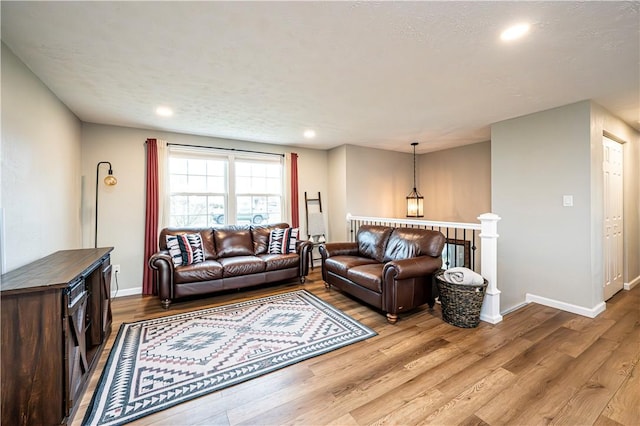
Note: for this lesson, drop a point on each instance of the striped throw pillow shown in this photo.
(185, 249)
(282, 241)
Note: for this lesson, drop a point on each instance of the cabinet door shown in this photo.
(32, 361)
(106, 299)
(94, 309)
(76, 348)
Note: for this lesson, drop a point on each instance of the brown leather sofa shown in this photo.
(234, 257)
(388, 268)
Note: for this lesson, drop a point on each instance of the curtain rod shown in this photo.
(225, 149)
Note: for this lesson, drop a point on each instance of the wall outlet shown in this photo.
(116, 269)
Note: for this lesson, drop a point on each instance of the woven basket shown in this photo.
(461, 303)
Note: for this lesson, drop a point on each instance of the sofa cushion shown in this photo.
(204, 271)
(241, 265)
(185, 249)
(405, 243)
(368, 276)
(341, 264)
(260, 234)
(274, 262)
(282, 241)
(233, 241)
(372, 241)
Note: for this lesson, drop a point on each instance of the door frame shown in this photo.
(608, 292)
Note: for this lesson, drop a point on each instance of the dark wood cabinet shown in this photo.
(55, 318)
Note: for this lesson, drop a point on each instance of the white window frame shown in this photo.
(230, 196)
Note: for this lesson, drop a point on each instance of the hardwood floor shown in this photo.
(539, 366)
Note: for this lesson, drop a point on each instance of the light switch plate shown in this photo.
(567, 201)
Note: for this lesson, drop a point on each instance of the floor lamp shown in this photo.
(109, 180)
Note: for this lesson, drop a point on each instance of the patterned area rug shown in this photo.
(159, 363)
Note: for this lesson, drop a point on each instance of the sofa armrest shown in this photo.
(338, 249)
(303, 248)
(162, 263)
(412, 267)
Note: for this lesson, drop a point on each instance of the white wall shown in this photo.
(122, 208)
(546, 249)
(41, 184)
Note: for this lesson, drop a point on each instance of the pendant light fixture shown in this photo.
(415, 201)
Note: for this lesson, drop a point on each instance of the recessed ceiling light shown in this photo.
(515, 32)
(164, 111)
(309, 134)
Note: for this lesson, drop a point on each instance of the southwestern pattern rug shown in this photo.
(156, 364)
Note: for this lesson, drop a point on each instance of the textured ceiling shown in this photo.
(372, 74)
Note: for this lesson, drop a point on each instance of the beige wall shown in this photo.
(122, 208)
(378, 181)
(456, 183)
(41, 184)
(546, 249)
(337, 197)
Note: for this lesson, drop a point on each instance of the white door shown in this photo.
(613, 242)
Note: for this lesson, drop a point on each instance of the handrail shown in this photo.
(459, 225)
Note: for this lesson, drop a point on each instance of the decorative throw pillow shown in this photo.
(283, 240)
(185, 249)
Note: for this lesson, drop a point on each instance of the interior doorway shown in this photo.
(613, 246)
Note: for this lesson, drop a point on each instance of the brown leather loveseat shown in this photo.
(388, 268)
(231, 257)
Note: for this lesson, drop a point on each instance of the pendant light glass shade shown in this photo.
(415, 204)
(415, 201)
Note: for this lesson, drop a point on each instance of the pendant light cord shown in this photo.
(414, 165)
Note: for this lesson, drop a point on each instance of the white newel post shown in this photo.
(490, 311)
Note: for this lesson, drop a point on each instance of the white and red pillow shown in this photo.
(185, 249)
(283, 240)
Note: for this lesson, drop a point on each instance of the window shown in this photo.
(258, 191)
(206, 187)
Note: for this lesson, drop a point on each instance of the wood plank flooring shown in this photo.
(539, 366)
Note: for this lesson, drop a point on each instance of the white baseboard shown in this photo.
(632, 284)
(491, 319)
(575, 309)
(126, 292)
(514, 308)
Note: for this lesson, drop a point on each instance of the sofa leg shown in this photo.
(327, 285)
(165, 303)
(392, 318)
(302, 280)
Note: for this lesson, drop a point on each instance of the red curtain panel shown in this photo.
(295, 216)
(151, 216)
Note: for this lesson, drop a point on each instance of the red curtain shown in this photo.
(151, 217)
(295, 215)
